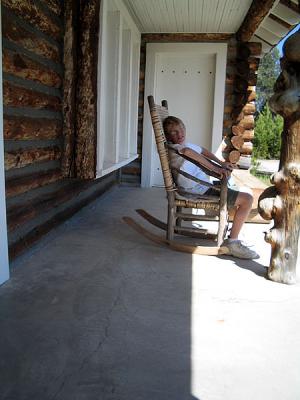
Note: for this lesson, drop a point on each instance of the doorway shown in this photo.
(191, 76)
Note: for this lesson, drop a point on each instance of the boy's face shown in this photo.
(176, 133)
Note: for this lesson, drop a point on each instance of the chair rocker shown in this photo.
(178, 200)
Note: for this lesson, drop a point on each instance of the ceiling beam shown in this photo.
(256, 13)
(186, 37)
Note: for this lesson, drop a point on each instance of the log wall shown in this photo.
(32, 92)
(241, 77)
(38, 197)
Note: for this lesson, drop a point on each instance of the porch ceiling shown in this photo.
(213, 16)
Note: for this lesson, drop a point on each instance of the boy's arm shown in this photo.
(202, 160)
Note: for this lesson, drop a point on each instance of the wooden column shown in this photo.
(69, 91)
(80, 88)
(281, 202)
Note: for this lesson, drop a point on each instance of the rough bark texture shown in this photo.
(24, 184)
(22, 158)
(24, 67)
(24, 128)
(80, 88)
(244, 66)
(16, 96)
(256, 13)
(13, 31)
(186, 37)
(281, 203)
(33, 15)
(69, 100)
(86, 107)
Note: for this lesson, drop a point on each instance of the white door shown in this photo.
(186, 80)
(188, 77)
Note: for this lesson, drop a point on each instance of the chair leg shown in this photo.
(222, 213)
(178, 220)
(171, 222)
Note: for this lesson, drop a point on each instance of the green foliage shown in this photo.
(265, 178)
(268, 71)
(267, 138)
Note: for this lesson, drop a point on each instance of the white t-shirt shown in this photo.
(177, 161)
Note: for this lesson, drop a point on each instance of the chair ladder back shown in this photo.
(158, 115)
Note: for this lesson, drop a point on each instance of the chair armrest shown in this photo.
(193, 178)
(206, 170)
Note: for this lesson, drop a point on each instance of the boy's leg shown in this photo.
(243, 203)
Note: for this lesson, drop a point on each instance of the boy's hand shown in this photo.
(228, 165)
(224, 172)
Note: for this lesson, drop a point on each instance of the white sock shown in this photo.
(232, 240)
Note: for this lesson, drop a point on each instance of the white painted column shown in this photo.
(4, 268)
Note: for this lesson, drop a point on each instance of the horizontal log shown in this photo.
(17, 247)
(22, 158)
(32, 14)
(23, 67)
(247, 122)
(248, 134)
(243, 51)
(240, 85)
(247, 148)
(227, 123)
(255, 48)
(237, 142)
(16, 215)
(238, 130)
(253, 63)
(185, 37)
(23, 184)
(252, 79)
(228, 109)
(16, 96)
(251, 95)
(230, 78)
(240, 99)
(242, 67)
(238, 114)
(53, 5)
(249, 108)
(12, 31)
(24, 128)
(232, 156)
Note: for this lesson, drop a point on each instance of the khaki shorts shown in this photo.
(232, 194)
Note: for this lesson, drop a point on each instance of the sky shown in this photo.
(280, 44)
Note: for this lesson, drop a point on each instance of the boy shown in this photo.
(175, 133)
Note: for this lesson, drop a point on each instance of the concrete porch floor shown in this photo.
(95, 311)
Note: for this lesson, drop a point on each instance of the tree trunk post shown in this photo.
(282, 201)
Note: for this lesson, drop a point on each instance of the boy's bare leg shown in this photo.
(244, 204)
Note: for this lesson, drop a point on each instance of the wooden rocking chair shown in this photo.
(215, 205)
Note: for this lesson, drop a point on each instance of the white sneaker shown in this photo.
(238, 249)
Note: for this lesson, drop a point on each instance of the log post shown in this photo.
(282, 201)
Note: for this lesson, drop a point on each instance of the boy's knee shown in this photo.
(245, 198)
(248, 198)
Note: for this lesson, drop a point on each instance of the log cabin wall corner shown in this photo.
(38, 195)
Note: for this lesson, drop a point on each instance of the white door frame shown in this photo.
(4, 266)
(152, 51)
